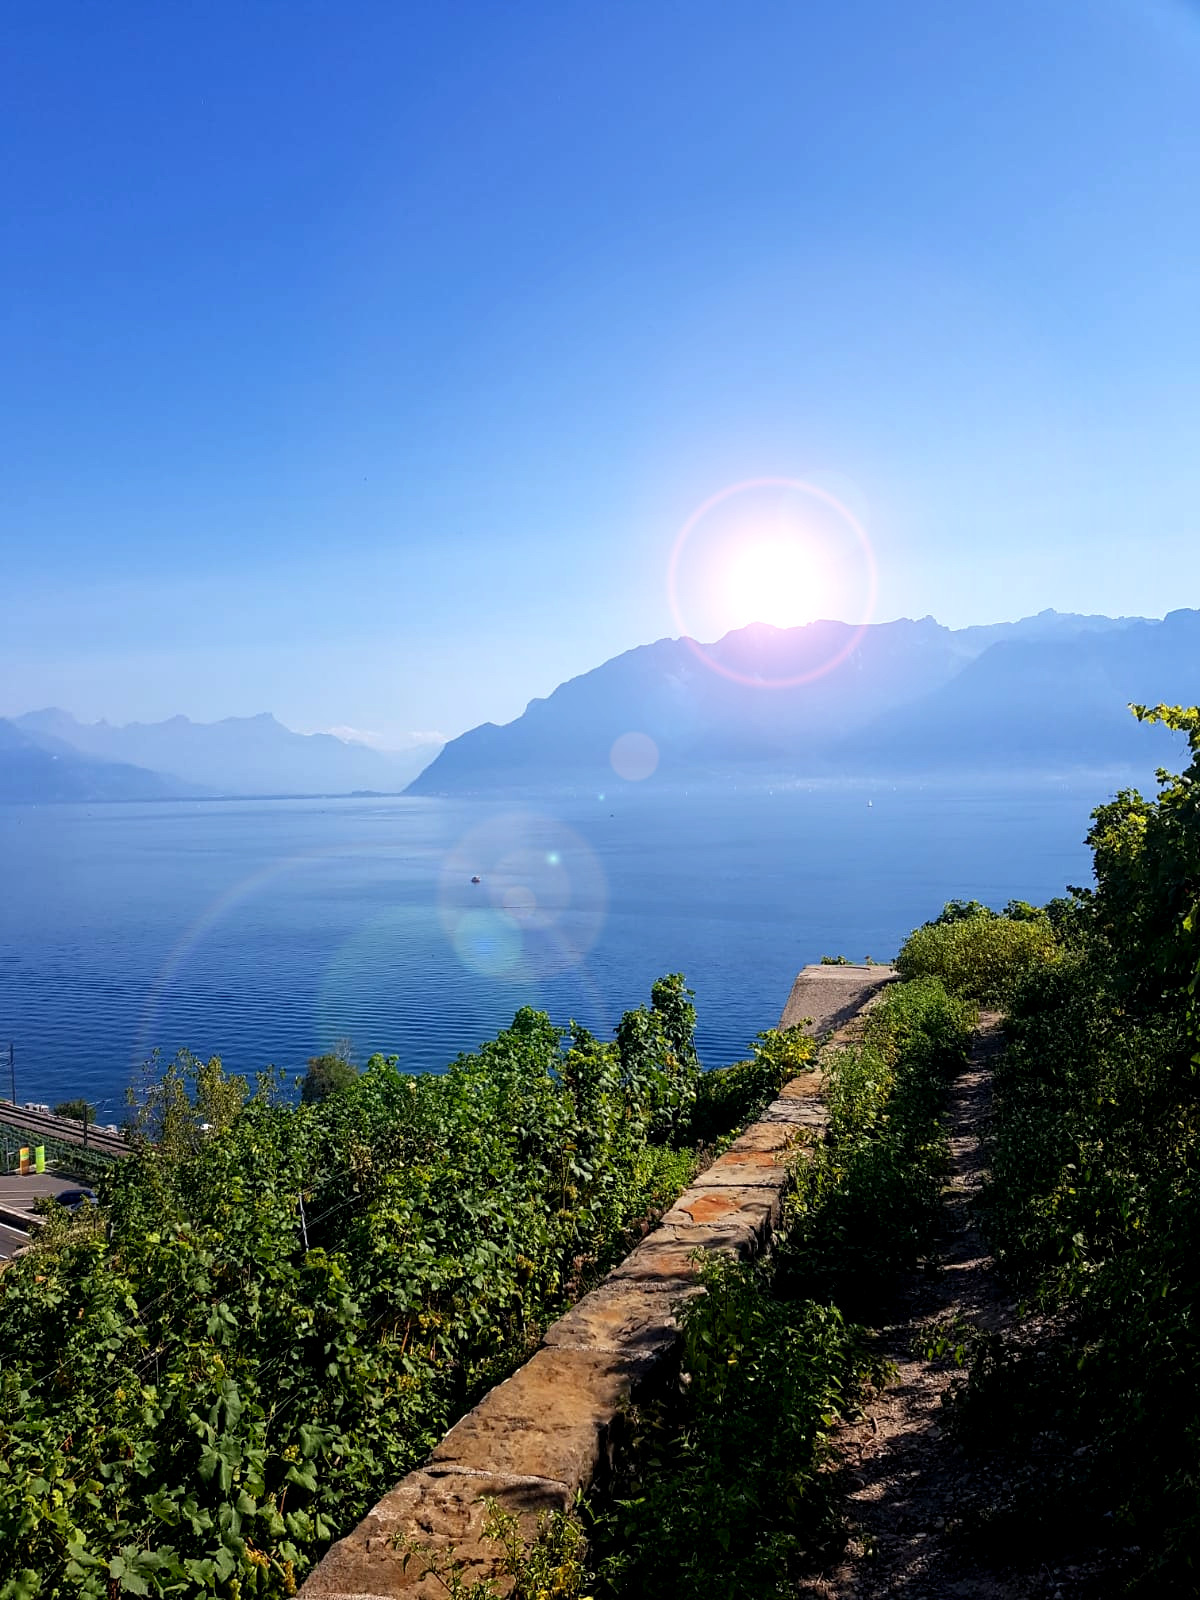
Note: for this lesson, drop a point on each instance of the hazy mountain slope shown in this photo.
(37, 773)
(240, 755)
(702, 719)
(910, 696)
(1047, 705)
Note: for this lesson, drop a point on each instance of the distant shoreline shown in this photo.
(209, 799)
(617, 790)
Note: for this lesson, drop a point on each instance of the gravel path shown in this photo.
(908, 1485)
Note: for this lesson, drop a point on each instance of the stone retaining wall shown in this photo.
(547, 1432)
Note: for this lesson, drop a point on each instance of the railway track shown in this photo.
(65, 1129)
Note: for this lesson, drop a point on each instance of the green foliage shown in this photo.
(1093, 1208)
(960, 911)
(1147, 865)
(178, 1105)
(77, 1110)
(326, 1075)
(729, 1097)
(722, 1490)
(722, 1493)
(659, 1066)
(203, 1385)
(979, 954)
(866, 1200)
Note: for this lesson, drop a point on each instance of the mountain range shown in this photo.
(1047, 694)
(49, 755)
(45, 770)
(1044, 695)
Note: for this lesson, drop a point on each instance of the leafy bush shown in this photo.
(77, 1110)
(866, 1200)
(327, 1074)
(1093, 1208)
(723, 1493)
(660, 1070)
(278, 1310)
(978, 954)
(729, 1097)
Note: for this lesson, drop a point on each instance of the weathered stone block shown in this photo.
(810, 1086)
(552, 1419)
(443, 1514)
(667, 1258)
(622, 1314)
(797, 1114)
(823, 998)
(745, 1169)
(758, 1208)
(775, 1138)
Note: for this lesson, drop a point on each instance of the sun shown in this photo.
(772, 578)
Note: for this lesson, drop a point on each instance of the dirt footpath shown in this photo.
(908, 1484)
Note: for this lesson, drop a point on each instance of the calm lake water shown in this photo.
(267, 930)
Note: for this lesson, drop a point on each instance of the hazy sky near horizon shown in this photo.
(363, 361)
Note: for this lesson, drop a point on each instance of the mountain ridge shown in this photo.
(235, 756)
(884, 705)
(51, 772)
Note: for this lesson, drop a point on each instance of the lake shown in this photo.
(266, 930)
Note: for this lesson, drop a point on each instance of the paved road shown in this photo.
(11, 1240)
(23, 1192)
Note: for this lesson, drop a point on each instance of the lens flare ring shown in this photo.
(697, 517)
(539, 904)
(634, 757)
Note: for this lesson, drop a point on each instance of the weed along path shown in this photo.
(911, 1493)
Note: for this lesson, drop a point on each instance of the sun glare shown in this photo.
(771, 579)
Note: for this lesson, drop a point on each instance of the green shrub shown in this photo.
(867, 1198)
(277, 1310)
(660, 1070)
(1093, 1208)
(77, 1110)
(721, 1492)
(326, 1075)
(729, 1097)
(979, 956)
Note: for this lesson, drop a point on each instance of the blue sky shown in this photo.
(363, 361)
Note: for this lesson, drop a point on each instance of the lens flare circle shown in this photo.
(539, 904)
(800, 486)
(634, 757)
(488, 942)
